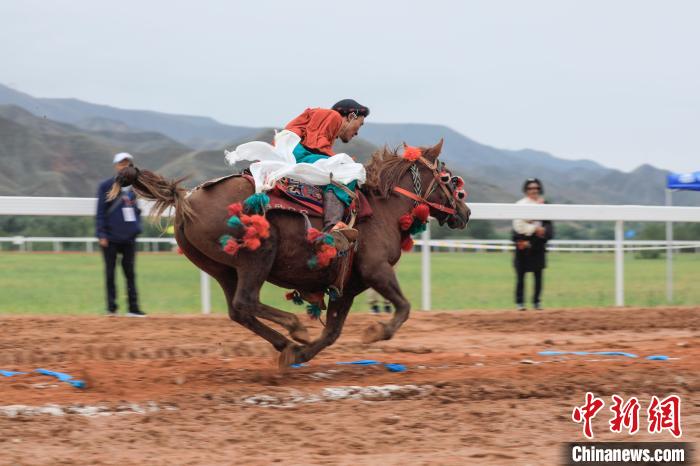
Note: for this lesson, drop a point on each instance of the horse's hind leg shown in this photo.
(224, 274)
(227, 278)
(296, 329)
(253, 268)
(288, 320)
(383, 280)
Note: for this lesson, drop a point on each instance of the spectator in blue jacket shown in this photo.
(117, 224)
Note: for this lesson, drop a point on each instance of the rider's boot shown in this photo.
(333, 209)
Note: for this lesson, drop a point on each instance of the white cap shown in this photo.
(121, 156)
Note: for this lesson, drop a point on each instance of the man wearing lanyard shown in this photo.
(117, 224)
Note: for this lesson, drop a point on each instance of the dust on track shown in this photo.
(475, 390)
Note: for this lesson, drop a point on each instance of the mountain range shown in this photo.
(63, 147)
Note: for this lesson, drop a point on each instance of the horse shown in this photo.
(393, 189)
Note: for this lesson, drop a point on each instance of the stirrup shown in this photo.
(342, 244)
(350, 234)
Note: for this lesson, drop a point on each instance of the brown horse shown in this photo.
(200, 220)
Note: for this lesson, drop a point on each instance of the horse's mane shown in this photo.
(384, 171)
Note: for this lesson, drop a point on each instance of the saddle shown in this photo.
(295, 196)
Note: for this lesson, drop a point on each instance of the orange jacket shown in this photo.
(317, 128)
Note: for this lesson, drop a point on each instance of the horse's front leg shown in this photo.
(383, 279)
(335, 319)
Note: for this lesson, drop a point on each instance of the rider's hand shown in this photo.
(104, 242)
(540, 232)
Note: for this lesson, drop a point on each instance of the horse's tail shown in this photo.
(151, 186)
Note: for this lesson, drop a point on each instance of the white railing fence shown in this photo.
(25, 243)
(67, 206)
(88, 244)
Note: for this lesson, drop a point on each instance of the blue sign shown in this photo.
(689, 181)
(629, 234)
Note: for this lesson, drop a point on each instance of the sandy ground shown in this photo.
(203, 391)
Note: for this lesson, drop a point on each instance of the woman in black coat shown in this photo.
(530, 238)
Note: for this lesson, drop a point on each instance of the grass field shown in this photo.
(72, 283)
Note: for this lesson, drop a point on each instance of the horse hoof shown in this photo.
(301, 335)
(375, 332)
(288, 356)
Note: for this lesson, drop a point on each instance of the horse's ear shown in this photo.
(432, 153)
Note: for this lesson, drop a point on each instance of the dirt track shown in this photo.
(201, 390)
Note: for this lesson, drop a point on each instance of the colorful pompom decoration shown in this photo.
(405, 222)
(314, 311)
(312, 234)
(422, 212)
(415, 222)
(235, 209)
(251, 230)
(411, 153)
(234, 222)
(324, 249)
(315, 302)
(295, 297)
(256, 204)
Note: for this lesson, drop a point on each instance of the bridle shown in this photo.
(441, 179)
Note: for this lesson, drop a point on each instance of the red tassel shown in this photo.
(250, 233)
(325, 255)
(232, 247)
(407, 243)
(251, 243)
(412, 153)
(289, 295)
(422, 212)
(312, 234)
(405, 222)
(235, 209)
(179, 250)
(261, 225)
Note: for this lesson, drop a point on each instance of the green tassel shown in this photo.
(313, 262)
(313, 311)
(256, 203)
(296, 299)
(332, 293)
(328, 239)
(417, 227)
(224, 239)
(234, 222)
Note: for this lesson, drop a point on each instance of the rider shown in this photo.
(318, 128)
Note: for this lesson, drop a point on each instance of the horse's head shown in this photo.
(422, 177)
(435, 185)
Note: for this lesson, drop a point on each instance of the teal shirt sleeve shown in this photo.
(304, 155)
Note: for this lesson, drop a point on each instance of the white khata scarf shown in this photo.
(271, 163)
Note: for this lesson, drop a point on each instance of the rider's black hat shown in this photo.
(347, 106)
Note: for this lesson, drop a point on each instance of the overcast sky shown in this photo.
(614, 81)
